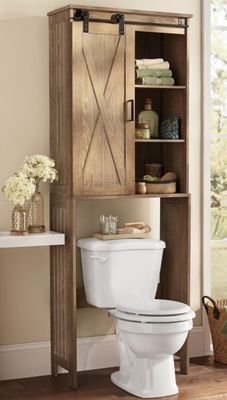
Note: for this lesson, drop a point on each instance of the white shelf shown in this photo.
(31, 240)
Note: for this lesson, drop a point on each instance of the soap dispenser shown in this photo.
(149, 116)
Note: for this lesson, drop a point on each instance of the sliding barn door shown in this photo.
(103, 156)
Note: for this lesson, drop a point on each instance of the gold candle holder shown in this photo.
(19, 221)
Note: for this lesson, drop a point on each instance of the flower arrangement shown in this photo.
(23, 188)
(40, 168)
(19, 188)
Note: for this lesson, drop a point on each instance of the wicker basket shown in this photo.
(161, 187)
(217, 316)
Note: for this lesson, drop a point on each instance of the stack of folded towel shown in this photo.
(153, 71)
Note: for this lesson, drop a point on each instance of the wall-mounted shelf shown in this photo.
(159, 140)
(174, 87)
(31, 240)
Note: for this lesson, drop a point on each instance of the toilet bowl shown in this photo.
(148, 338)
(122, 276)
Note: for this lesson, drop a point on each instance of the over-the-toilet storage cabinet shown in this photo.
(94, 104)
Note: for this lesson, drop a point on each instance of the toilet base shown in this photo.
(148, 378)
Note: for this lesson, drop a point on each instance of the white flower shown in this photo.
(40, 167)
(19, 188)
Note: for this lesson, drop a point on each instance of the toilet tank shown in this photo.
(116, 271)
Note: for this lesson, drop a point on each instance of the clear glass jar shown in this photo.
(108, 225)
(35, 219)
(142, 131)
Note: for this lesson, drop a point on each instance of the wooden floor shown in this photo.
(207, 381)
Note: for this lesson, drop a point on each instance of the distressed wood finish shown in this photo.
(175, 272)
(63, 293)
(92, 97)
(62, 206)
(99, 144)
(159, 17)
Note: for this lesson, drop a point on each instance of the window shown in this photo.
(218, 147)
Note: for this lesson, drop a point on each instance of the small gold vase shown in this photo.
(35, 219)
(19, 221)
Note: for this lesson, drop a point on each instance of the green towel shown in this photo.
(158, 73)
(150, 80)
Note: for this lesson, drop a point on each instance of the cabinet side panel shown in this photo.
(63, 292)
(175, 273)
(175, 231)
(62, 258)
(61, 101)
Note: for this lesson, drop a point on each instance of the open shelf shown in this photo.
(133, 196)
(159, 140)
(31, 240)
(173, 87)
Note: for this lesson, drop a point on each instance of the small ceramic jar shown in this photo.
(141, 187)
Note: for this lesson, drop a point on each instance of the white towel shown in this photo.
(149, 61)
(164, 65)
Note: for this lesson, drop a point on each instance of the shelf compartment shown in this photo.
(170, 47)
(166, 103)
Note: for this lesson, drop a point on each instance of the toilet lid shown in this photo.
(155, 311)
(155, 307)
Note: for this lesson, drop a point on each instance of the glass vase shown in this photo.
(35, 218)
(19, 221)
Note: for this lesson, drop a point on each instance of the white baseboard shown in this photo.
(196, 342)
(33, 359)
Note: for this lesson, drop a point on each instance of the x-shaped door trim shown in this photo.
(103, 100)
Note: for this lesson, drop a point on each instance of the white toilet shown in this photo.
(122, 276)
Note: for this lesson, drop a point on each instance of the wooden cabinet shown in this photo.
(94, 105)
(102, 142)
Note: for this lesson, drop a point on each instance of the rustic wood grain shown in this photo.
(158, 15)
(99, 142)
(92, 86)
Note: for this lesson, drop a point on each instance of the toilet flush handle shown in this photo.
(99, 258)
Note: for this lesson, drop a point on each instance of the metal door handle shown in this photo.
(131, 102)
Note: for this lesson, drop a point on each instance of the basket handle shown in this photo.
(216, 312)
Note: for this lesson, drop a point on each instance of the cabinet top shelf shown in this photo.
(173, 87)
(128, 12)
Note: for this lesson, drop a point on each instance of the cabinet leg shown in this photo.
(73, 379)
(184, 359)
(54, 368)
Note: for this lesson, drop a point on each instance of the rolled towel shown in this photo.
(164, 65)
(145, 61)
(149, 80)
(158, 73)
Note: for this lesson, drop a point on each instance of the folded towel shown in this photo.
(145, 61)
(163, 65)
(158, 73)
(151, 80)
(131, 230)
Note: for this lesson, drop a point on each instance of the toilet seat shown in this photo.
(154, 311)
